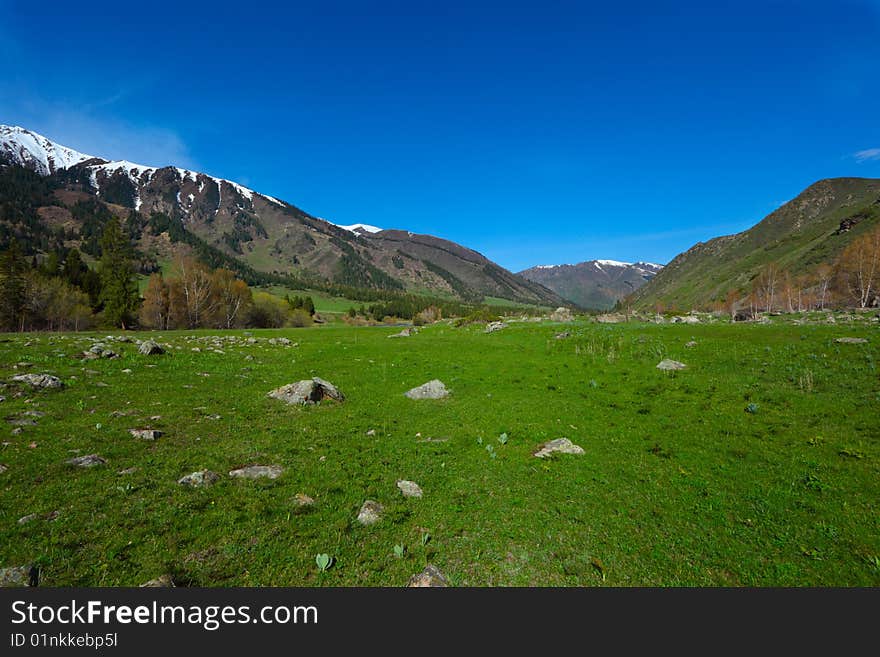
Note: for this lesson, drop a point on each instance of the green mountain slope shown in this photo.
(803, 234)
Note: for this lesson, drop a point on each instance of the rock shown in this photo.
(281, 341)
(87, 461)
(371, 432)
(611, 318)
(3, 468)
(405, 333)
(491, 327)
(563, 335)
(561, 314)
(257, 472)
(434, 389)
(370, 513)
(669, 365)
(409, 488)
(145, 434)
(150, 348)
(560, 445)
(161, 582)
(199, 479)
(429, 577)
(127, 471)
(19, 576)
(690, 344)
(308, 391)
(26, 519)
(301, 500)
(39, 380)
(851, 340)
(686, 319)
(100, 351)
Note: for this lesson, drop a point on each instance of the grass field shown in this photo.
(680, 484)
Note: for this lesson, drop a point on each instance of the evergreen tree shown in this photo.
(119, 290)
(12, 289)
(309, 306)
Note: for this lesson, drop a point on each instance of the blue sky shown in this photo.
(533, 132)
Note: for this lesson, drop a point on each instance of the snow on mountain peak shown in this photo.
(614, 263)
(31, 149)
(359, 229)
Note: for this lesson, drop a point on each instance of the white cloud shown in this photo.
(867, 154)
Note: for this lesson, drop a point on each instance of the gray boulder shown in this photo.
(150, 348)
(199, 479)
(668, 365)
(370, 513)
(851, 341)
(308, 391)
(161, 582)
(561, 314)
(87, 461)
(558, 446)
(257, 472)
(409, 488)
(491, 327)
(434, 389)
(17, 576)
(430, 577)
(145, 434)
(39, 380)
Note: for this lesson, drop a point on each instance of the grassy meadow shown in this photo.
(756, 466)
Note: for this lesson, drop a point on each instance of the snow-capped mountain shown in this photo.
(595, 283)
(243, 229)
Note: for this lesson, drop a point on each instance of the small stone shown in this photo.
(308, 391)
(371, 432)
(126, 371)
(405, 333)
(302, 500)
(851, 340)
(668, 365)
(19, 576)
(128, 471)
(409, 488)
(161, 582)
(150, 348)
(690, 344)
(3, 468)
(87, 461)
(370, 513)
(434, 389)
(26, 519)
(559, 445)
(199, 479)
(430, 577)
(257, 472)
(145, 434)
(563, 335)
(491, 327)
(39, 380)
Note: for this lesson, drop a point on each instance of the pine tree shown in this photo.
(12, 289)
(119, 290)
(309, 306)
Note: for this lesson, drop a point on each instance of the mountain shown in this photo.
(169, 207)
(797, 238)
(596, 284)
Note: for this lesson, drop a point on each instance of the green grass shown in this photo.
(679, 485)
(323, 302)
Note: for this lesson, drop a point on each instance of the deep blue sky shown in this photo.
(539, 132)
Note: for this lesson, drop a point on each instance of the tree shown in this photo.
(824, 274)
(730, 302)
(156, 309)
(309, 306)
(12, 289)
(119, 290)
(233, 298)
(199, 301)
(859, 268)
(765, 287)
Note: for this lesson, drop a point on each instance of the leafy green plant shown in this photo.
(503, 439)
(426, 538)
(752, 408)
(324, 562)
(399, 551)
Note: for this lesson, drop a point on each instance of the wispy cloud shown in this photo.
(867, 154)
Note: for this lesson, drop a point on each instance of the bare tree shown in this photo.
(233, 297)
(197, 291)
(824, 274)
(859, 267)
(765, 287)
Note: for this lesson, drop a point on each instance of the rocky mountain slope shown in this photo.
(797, 238)
(265, 234)
(595, 284)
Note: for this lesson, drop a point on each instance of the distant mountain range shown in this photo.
(595, 284)
(171, 208)
(805, 233)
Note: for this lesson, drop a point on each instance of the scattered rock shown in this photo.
(39, 380)
(690, 344)
(434, 389)
(491, 327)
(161, 582)
(409, 488)
(851, 340)
(370, 513)
(561, 314)
(100, 351)
(199, 479)
(308, 391)
(281, 341)
(611, 318)
(668, 365)
(257, 472)
(301, 500)
(686, 319)
(560, 445)
(405, 333)
(26, 519)
(563, 335)
(19, 576)
(87, 461)
(150, 348)
(127, 471)
(429, 577)
(145, 434)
